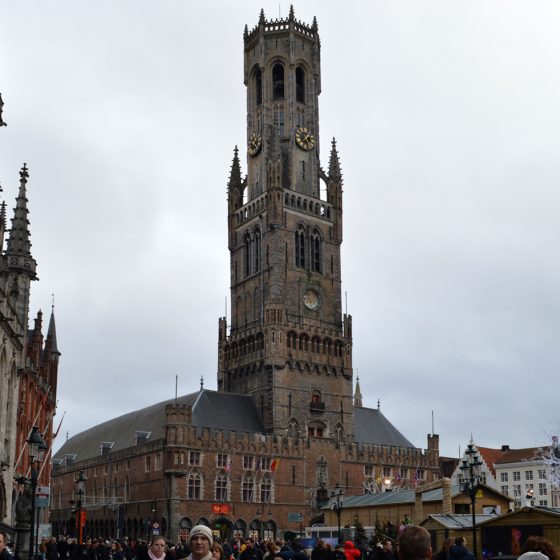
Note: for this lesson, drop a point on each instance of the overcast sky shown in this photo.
(447, 118)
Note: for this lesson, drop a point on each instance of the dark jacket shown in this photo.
(458, 552)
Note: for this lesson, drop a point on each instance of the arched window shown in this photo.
(193, 487)
(258, 86)
(278, 81)
(266, 487)
(300, 84)
(338, 433)
(300, 248)
(247, 488)
(221, 488)
(293, 428)
(316, 252)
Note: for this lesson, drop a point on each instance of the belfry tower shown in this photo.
(289, 345)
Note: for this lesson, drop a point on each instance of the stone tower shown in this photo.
(289, 346)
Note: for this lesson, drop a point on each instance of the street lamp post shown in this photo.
(81, 488)
(336, 505)
(36, 449)
(471, 479)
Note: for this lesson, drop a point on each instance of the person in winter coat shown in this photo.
(350, 551)
(459, 551)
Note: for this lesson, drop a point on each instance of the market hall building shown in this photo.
(262, 454)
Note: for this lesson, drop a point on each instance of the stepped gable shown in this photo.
(371, 426)
(491, 457)
(210, 409)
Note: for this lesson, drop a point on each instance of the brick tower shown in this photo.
(289, 346)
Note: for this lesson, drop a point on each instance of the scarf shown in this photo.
(154, 557)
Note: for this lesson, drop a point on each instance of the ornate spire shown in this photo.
(235, 172)
(18, 242)
(50, 343)
(262, 21)
(291, 17)
(246, 32)
(315, 26)
(334, 163)
(358, 394)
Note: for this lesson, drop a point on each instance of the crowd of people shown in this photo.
(413, 543)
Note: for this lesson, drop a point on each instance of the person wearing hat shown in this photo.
(200, 541)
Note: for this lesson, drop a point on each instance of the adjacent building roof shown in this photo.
(519, 455)
(370, 426)
(210, 409)
(403, 497)
(397, 497)
(459, 520)
(491, 456)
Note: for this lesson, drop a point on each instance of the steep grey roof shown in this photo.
(210, 409)
(370, 426)
(226, 411)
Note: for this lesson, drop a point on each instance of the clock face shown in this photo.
(304, 139)
(311, 299)
(255, 144)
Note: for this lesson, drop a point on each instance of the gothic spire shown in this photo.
(262, 21)
(315, 25)
(334, 163)
(291, 17)
(18, 242)
(50, 342)
(358, 394)
(235, 173)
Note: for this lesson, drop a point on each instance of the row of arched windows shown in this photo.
(319, 209)
(315, 344)
(244, 346)
(279, 83)
(253, 488)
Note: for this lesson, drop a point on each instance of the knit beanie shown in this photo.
(533, 555)
(205, 532)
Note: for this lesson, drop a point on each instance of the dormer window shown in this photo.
(106, 446)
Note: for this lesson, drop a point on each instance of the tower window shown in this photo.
(300, 84)
(316, 252)
(258, 86)
(257, 251)
(278, 81)
(247, 255)
(300, 249)
(279, 119)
